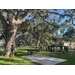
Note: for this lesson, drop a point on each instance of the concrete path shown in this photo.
(44, 60)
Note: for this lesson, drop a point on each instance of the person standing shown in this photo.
(66, 49)
(51, 50)
(60, 48)
(56, 49)
(46, 47)
(74, 49)
(11, 52)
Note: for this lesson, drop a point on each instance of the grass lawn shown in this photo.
(1, 47)
(24, 51)
(70, 59)
(18, 59)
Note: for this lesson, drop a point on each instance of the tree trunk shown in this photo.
(10, 40)
(38, 42)
(11, 27)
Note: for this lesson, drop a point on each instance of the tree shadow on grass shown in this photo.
(22, 60)
(17, 61)
(27, 50)
(4, 61)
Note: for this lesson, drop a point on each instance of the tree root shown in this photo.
(6, 53)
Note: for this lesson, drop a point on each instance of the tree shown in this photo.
(69, 35)
(14, 19)
(53, 22)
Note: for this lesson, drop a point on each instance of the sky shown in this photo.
(61, 11)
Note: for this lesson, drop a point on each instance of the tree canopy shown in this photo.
(47, 23)
(48, 27)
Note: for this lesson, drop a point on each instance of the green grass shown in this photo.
(70, 59)
(1, 47)
(18, 59)
(24, 51)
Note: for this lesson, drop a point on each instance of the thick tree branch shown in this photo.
(4, 23)
(26, 12)
(73, 22)
(51, 12)
(62, 15)
(23, 16)
(15, 12)
(20, 12)
(45, 20)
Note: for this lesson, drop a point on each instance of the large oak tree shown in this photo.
(14, 18)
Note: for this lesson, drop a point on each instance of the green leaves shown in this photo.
(48, 28)
(70, 34)
(61, 31)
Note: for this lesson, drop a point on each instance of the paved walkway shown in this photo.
(44, 60)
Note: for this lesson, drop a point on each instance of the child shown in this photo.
(43, 47)
(46, 47)
(65, 49)
(56, 49)
(51, 50)
(74, 49)
(68, 48)
(11, 52)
